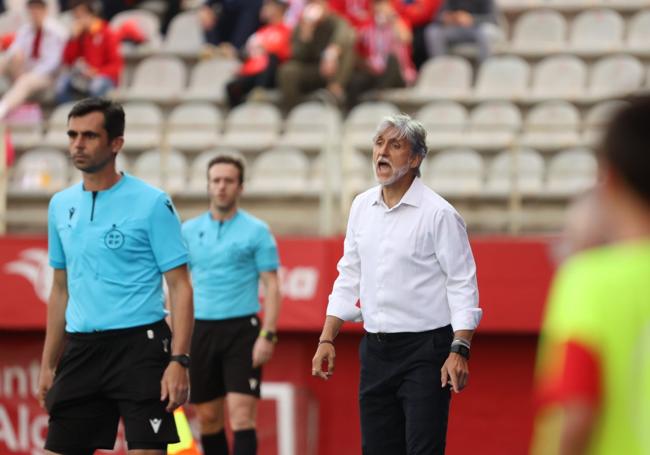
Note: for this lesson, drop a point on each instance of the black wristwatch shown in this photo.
(460, 350)
(183, 359)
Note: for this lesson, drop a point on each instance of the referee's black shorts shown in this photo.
(222, 358)
(103, 376)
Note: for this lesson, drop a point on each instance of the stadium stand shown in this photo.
(194, 127)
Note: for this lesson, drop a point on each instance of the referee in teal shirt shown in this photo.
(108, 352)
(231, 251)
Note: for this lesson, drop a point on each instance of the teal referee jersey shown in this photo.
(226, 259)
(114, 245)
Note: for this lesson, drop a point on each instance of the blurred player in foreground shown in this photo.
(408, 259)
(593, 384)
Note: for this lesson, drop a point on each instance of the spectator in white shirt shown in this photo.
(408, 260)
(33, 58)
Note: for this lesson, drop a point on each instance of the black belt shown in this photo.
(382, 337)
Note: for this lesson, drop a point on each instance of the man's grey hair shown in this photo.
(409, 129)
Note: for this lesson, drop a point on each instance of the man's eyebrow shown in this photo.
(86, 132)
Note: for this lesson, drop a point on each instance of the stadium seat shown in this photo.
(502, 78)
(571, 172)
(444, 121)
(25, 123)
(442, 78)
(143, 129)
(173, 178)
(456, 173)
(559, 77)
(194, 127)
(209, 78)
(528, 169)
(311, 126)
(185, 35)
(539, 32)
(252, 127)
(279, 172)
(596, 31)
(638, 36)
(362, 121)
(596, 120)
(40, 171)
(197, 181)
(318, 176)
(149, 25)
(493, 125)
(159, 79)
(57, 127)
(614, 76)
(551, 125)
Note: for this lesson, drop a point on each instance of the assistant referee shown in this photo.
(108, 351)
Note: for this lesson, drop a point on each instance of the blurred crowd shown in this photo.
(337, 50)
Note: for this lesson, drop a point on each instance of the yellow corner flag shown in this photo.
(186, 446)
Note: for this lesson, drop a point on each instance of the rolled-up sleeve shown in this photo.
(345, 292)
(457, 262)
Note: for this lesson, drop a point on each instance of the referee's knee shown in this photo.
(211, 417)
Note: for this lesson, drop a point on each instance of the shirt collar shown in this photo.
(412, 197)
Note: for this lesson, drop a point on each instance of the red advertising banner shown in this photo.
(513, 276)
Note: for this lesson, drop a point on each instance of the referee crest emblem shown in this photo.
(155, 424)
(114, 239)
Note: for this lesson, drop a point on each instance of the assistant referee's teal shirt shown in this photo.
(114, 245)
(226, 259)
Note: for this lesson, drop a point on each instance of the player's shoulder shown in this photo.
(195, 222)
(65, 195)
(141, 193)
(253, 222)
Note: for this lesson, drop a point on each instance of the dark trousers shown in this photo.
(363, 80)
(403, 408)
(240, 86)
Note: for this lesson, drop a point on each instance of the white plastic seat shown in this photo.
(456, 173)
(502, 78)
(279, 172)
(539, 32)
(493, 125)
(184, 35)
(596, 31)
(40, 171)
(529, 170)
(559, 77)
(615, 76)
(194, 127)
(444, 122)
(252, 127)
(362, 122)
(311, 126)
(149, 25)
(57, 127)
(208, 80)
(551, 125)
(25, 124)
(159, 79)
(571, 172)
(596, 120)
(638, 36)
(197, 178)
(149, 167)
(317, 174)
(442, 78)
(143, 126)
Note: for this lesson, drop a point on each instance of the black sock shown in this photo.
(215, 444)
(245, 442)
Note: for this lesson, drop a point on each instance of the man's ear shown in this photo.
(117, 144)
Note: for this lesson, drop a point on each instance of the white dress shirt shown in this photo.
(411, 266)
(53, 40)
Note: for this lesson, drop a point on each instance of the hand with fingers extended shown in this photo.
(45, 380)
(456, 371)
(324, 353)
(174, 386)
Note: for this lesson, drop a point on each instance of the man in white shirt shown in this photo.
(33, 58)
(408, 260)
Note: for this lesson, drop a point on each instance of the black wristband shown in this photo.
(325, 342)
(460, 350)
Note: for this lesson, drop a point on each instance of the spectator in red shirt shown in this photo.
(419, 14)
(92, 56)
(264, 51)
(385, 53)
